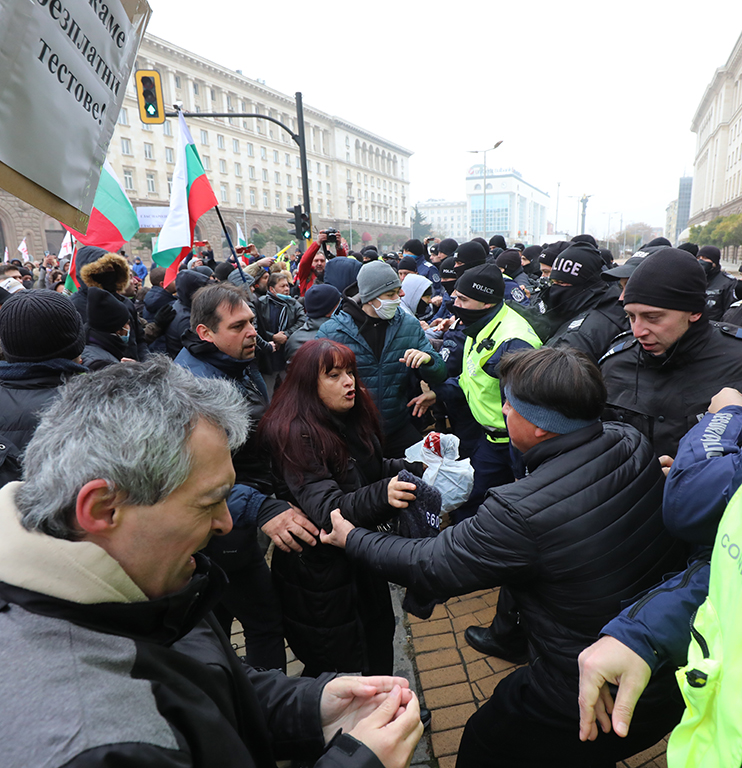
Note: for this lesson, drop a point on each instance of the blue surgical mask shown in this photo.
(125, 339)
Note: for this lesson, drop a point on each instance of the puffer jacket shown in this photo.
(663, 396)
(385, 378)
(325, 597)
(187, 283)
(573, 540)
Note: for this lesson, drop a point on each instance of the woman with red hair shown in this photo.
(323, 432)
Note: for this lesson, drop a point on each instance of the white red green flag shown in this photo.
(191, 196)
(113, 220)
(70, 282)
(6, 257)
(241, 236)
(66, 249)
(24, 250)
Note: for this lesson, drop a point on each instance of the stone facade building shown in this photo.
(357, 180)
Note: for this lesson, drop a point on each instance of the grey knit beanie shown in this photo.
(375, 278)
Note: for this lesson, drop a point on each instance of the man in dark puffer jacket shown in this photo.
(580, 534)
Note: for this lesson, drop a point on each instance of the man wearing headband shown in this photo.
(581, 533)
(661, 378)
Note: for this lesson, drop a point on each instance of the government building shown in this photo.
(357, 181)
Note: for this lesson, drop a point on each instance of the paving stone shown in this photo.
(431, 628)
(460, 623)
(447, 742)
(436, 659)
(446, 676)
(642, 758)
(468, 654)
(492, 597)
(449, 695)
(447, 762)
(451, 717)
(469, 606)
(498, 665)
(484, 617)
(434, 642)
(476, 670)
(294, 668)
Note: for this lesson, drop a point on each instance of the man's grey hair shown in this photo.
(128, 424)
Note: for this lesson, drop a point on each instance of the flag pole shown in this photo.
(229, 240)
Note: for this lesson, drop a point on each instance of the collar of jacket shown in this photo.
(474, 329)
(556, 446)
(54, 370)
(211, 354)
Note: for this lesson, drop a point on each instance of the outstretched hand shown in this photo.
(414, 358)
(340, 530)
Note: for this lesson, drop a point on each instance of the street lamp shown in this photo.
(484, 183)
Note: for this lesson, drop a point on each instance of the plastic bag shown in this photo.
(453, 477)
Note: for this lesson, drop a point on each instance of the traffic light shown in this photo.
(295, 222)
(306, 227)
(149, 95)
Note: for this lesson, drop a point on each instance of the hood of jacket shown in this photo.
(341, 272)
(414, 286)
(187, 283)
(108, 271)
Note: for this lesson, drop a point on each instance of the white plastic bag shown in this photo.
(453, 477)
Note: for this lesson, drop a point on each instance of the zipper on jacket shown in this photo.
(695, 677)
(682, 584)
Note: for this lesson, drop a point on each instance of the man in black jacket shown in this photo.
(661, 378)
(110, 653)
(581, 533)
(719, 285)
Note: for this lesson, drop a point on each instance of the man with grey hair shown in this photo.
(109, 653)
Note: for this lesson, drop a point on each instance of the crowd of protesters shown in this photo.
(600, 406)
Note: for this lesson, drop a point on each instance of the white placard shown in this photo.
(152, 216)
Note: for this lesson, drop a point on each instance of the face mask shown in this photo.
(283, 296)
(470, 316)
(707, 266)
(125, 339)
(388, 308)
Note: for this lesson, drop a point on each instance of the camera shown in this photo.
(332, 235)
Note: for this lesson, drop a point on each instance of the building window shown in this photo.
(224, 192)
(277, 177)
(265, 200)
(359, 178)
(275, 155)
(237, 169)
(327, 170)
(195, 89)
(328, 188)
(177, 81)
(123, 117)
(265, 175)
(147, 127)
(278, 201)
(252, 198)
(128, 179)
(125, 146)
(149, 151)
(222, 166)
(251, 172)
(220, 141)
(298, 162)
(167, 128)
(319, 168)
(289, 200)
(288, 179)
(250, 151)
(309, 185)
(206, 162)
(236, 146)
(319, 207)
(205, 138)
(213, 95)
(263, 153)
(151, 188)
(287, 159)
(170, 183)
(347, 174)
(238, 194)
(169, 155)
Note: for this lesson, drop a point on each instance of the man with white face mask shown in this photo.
(389, 345)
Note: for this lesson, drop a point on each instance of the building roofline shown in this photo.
(238, 78)
(711, 88)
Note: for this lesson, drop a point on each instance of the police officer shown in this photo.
(661, 378)
(719, 285)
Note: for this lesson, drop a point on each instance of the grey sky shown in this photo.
(594, 95)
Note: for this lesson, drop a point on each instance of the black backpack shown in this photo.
(10, 462)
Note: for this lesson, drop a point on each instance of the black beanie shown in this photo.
(498, 241)
(552, 251)
(578, 265)
(105, 312)
(710, 252)
(223, 270)
(447, 270)
(408, 263)
(585, 239)
(321, 299)
(448, 246)
(607, 256)
(532, 252)
(670, 279)
(414, 247)
(692, 248)
(40, 325)
(471, 254)
(483, 243)
(483, 283)
(519, 247)
(659, 241)
(509, 261)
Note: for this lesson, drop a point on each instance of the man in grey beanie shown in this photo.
(390, 348)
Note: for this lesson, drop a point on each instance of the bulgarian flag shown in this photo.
(190, 198)
(70, 282)
(241, 236)
(113, 220)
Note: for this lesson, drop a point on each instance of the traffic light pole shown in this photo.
(299, 138)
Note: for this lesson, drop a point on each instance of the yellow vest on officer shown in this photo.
(482, 390)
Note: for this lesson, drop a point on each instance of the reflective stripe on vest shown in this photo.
(482, 390)
(710, 733)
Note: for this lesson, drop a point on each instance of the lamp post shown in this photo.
(484, 183)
